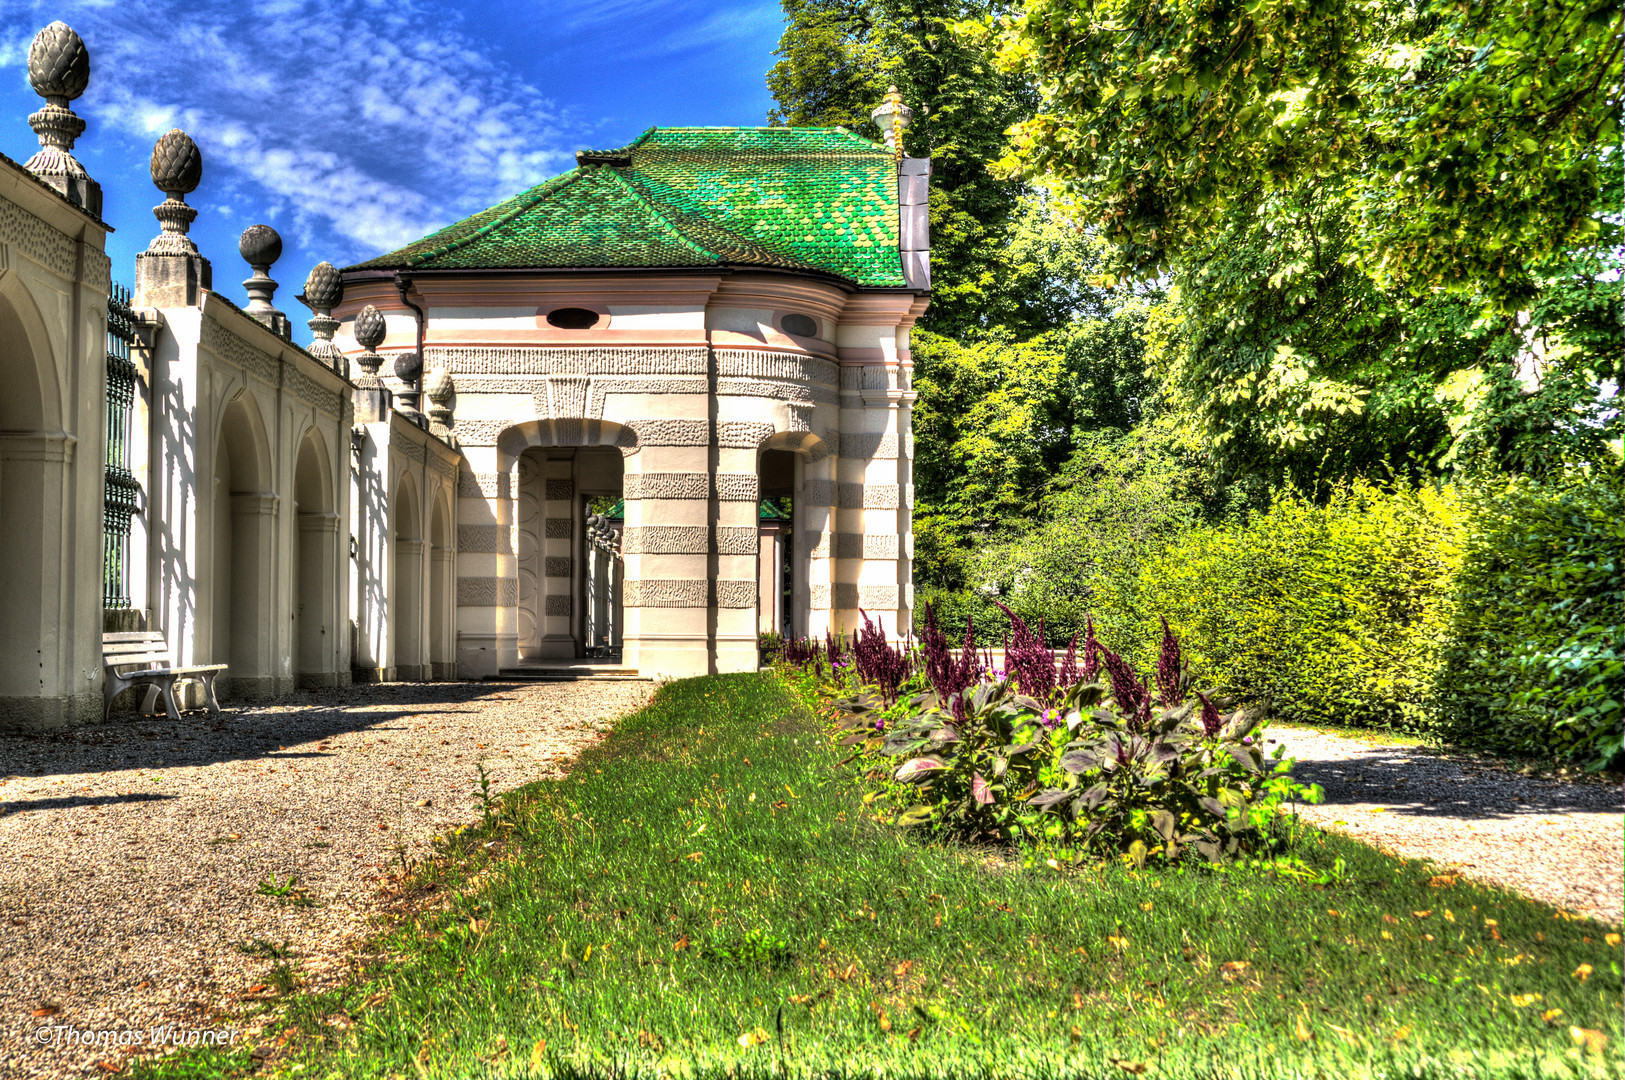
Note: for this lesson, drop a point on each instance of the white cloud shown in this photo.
(367, 124)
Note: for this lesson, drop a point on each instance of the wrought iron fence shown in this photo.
(120, 492)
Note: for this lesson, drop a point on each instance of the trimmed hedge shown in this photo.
(1488, 617)
(1535, 663)
(1329, 614)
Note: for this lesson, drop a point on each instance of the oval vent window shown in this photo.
(799, 325)
(572, 318)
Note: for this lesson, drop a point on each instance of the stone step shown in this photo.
(581, 673)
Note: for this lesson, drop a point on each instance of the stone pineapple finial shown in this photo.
(438, 389)
(59, 70)
(260, 246)
(171, 272)
(369, 334)
(324, 289)
(893, 117)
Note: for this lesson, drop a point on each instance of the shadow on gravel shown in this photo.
(69, 802)
(256, 732)
(1425, 784)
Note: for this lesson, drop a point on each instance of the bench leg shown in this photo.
(208, 690)
(150, 705)
(169, 699)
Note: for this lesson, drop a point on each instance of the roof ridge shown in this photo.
(660, 215)
(517, 205)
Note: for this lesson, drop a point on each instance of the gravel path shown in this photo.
(131, 853)
(1556, 841)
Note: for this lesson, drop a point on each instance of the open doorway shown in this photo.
(776, 572)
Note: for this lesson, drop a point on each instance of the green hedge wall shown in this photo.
(1331, 613)
(1534, 664)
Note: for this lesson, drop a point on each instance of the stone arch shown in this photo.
(442, 583)
(314, 579)
(32, 401)
(406, 581)
(36, 458)
(244, 505)
(545, 508)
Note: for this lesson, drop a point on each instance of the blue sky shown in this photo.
(355, 127)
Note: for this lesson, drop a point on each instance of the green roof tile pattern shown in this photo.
(813, 199)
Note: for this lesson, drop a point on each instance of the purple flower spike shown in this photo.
(1170, 668)
(1127, 689)
(1091, 653)
(1211, 720)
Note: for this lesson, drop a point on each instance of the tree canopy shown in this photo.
(1469, 138)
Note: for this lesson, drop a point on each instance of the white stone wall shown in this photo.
(247, 523)
(53, 297)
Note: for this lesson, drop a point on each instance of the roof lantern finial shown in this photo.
(260, 246)
(59, 70)
(324, 289)
(893, 118)
(171, 272)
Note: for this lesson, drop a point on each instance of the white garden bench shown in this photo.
(137, 659)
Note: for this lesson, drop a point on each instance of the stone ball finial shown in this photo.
(324, 288)
(58, 62)
(177, 164)
(369, 328)
(260, 245)
(408, 366)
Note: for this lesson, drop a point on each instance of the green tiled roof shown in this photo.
(815, 199)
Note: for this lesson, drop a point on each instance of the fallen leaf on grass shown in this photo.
(1441, 881)
(1302, 1032)
(902, 969)
(1423, 914)
(1589, 1038)
(1551, 1014)
(538, 1054)
(1135, 1067)
(1583, 972)
(753, 1038)
(1233, 969)
(1118, 943)
(680, 944)
(1612, 939)
(46, 1010)
(1520, 1000)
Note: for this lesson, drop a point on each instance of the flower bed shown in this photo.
(1073, 760)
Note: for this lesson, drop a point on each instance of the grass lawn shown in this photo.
(704, 896)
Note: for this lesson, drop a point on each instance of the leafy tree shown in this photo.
(837, 58)
(1469, 138)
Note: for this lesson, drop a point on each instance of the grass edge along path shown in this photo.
(704, 895)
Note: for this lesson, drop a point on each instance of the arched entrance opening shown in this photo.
(244, 508)
(776, 578)
(33, 461)
(442, 578)
(314, 577)
(406, 592)
(569, 584)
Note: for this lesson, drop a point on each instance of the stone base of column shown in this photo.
(480, 655)
(366, 675)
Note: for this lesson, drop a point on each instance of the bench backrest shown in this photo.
(136, 649)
